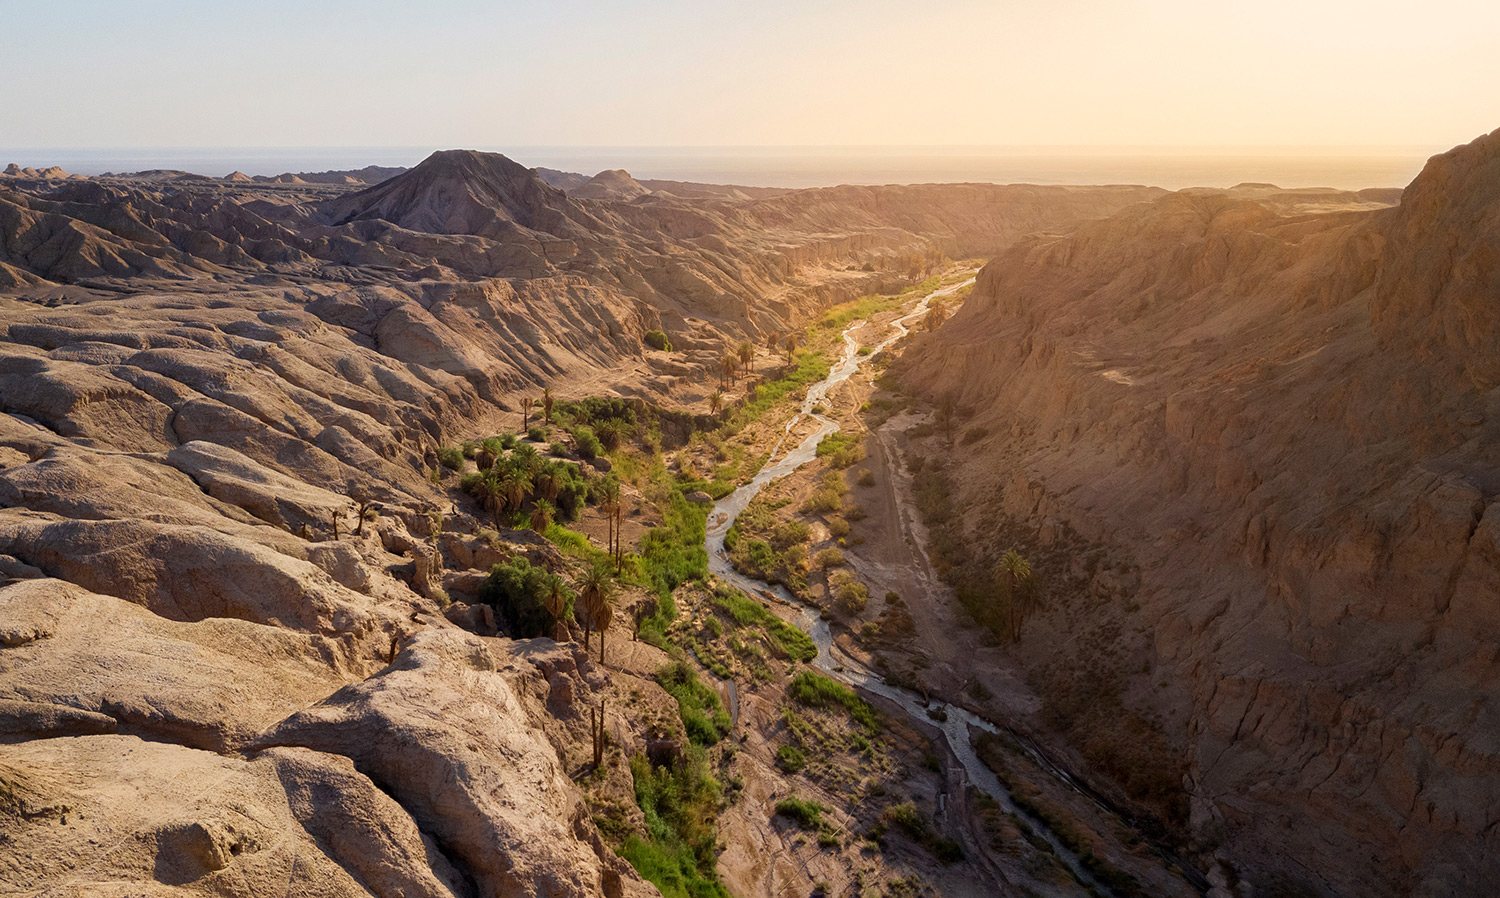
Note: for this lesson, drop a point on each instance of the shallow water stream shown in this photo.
(954, 722)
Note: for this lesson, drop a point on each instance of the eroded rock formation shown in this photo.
(1283, 424)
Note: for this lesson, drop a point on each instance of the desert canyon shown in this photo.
(261, 631)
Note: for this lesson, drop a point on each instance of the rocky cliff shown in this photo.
(1279, 424)
(225, 664)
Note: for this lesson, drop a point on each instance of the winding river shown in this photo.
(954, 722)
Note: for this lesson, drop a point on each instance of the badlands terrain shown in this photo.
(284, 514)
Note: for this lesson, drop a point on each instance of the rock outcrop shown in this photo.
(228, 660)
(1283, 424)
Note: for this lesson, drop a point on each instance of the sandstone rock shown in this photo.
(478, 619)
(81, 670)
(113, 813)
(465, 756)
(187, 573)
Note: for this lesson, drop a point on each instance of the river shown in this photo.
(954, 722)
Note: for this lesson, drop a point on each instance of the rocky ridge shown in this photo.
(222, 632)
(1280, 425)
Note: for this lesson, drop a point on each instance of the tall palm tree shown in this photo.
(747, 354)
(593, 596)
(715, 402)
(1017, 588)
(556, 601)
(547, 403)
(937, 313)
(773, 340)
(541, 515)
(790, 342)
(609, 431)
(490, 495)
(726, 370)
(525, 412)
(515, 484)
(548, 481)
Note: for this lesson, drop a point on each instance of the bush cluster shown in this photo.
(519, 593)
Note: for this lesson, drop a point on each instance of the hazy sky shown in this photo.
(761, 72)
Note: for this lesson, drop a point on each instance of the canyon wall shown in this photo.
(1283, 424)
(226, 665)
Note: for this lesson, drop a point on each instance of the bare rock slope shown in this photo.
(1283, 426)
(225, 667)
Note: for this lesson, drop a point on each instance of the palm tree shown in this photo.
(547, 403)
(937, 313)
(773, 339)
(541, 515)
(515, 483)
(490, 495)
(715, 402)
(614, 512)
(610, 431)
(593, 595)
(549, 481)
(747, 354)
(556, 601)
(791, 346)
(947, 416)
(525, 412)
(529, 460)
(726, 370)
(1017, 590)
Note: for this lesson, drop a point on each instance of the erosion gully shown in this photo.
(954, 722)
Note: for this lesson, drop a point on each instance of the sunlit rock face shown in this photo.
(225, 660)
(1288, 419)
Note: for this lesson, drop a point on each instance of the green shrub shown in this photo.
(849, 594)
(789, 533)
(679, 804)
(908, 819)
(536, 433)
(829, 558)
(451, 457)
(587, 442)
(658, 340)
(703, 715)
(838, 527)
(790, 758)
(841, 448)
(519, 594)
(866, 477)
(947, 850)
(807, 814)
(823, 501)
(507, 442)
(785, 639)
(818, 691)
(558, 449)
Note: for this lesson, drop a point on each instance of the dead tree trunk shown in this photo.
(596, 727)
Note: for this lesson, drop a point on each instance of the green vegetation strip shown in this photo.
(811, 368)
(680, 803)
(787, 640)
(818, 691)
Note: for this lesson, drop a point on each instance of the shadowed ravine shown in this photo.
(954, 722)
